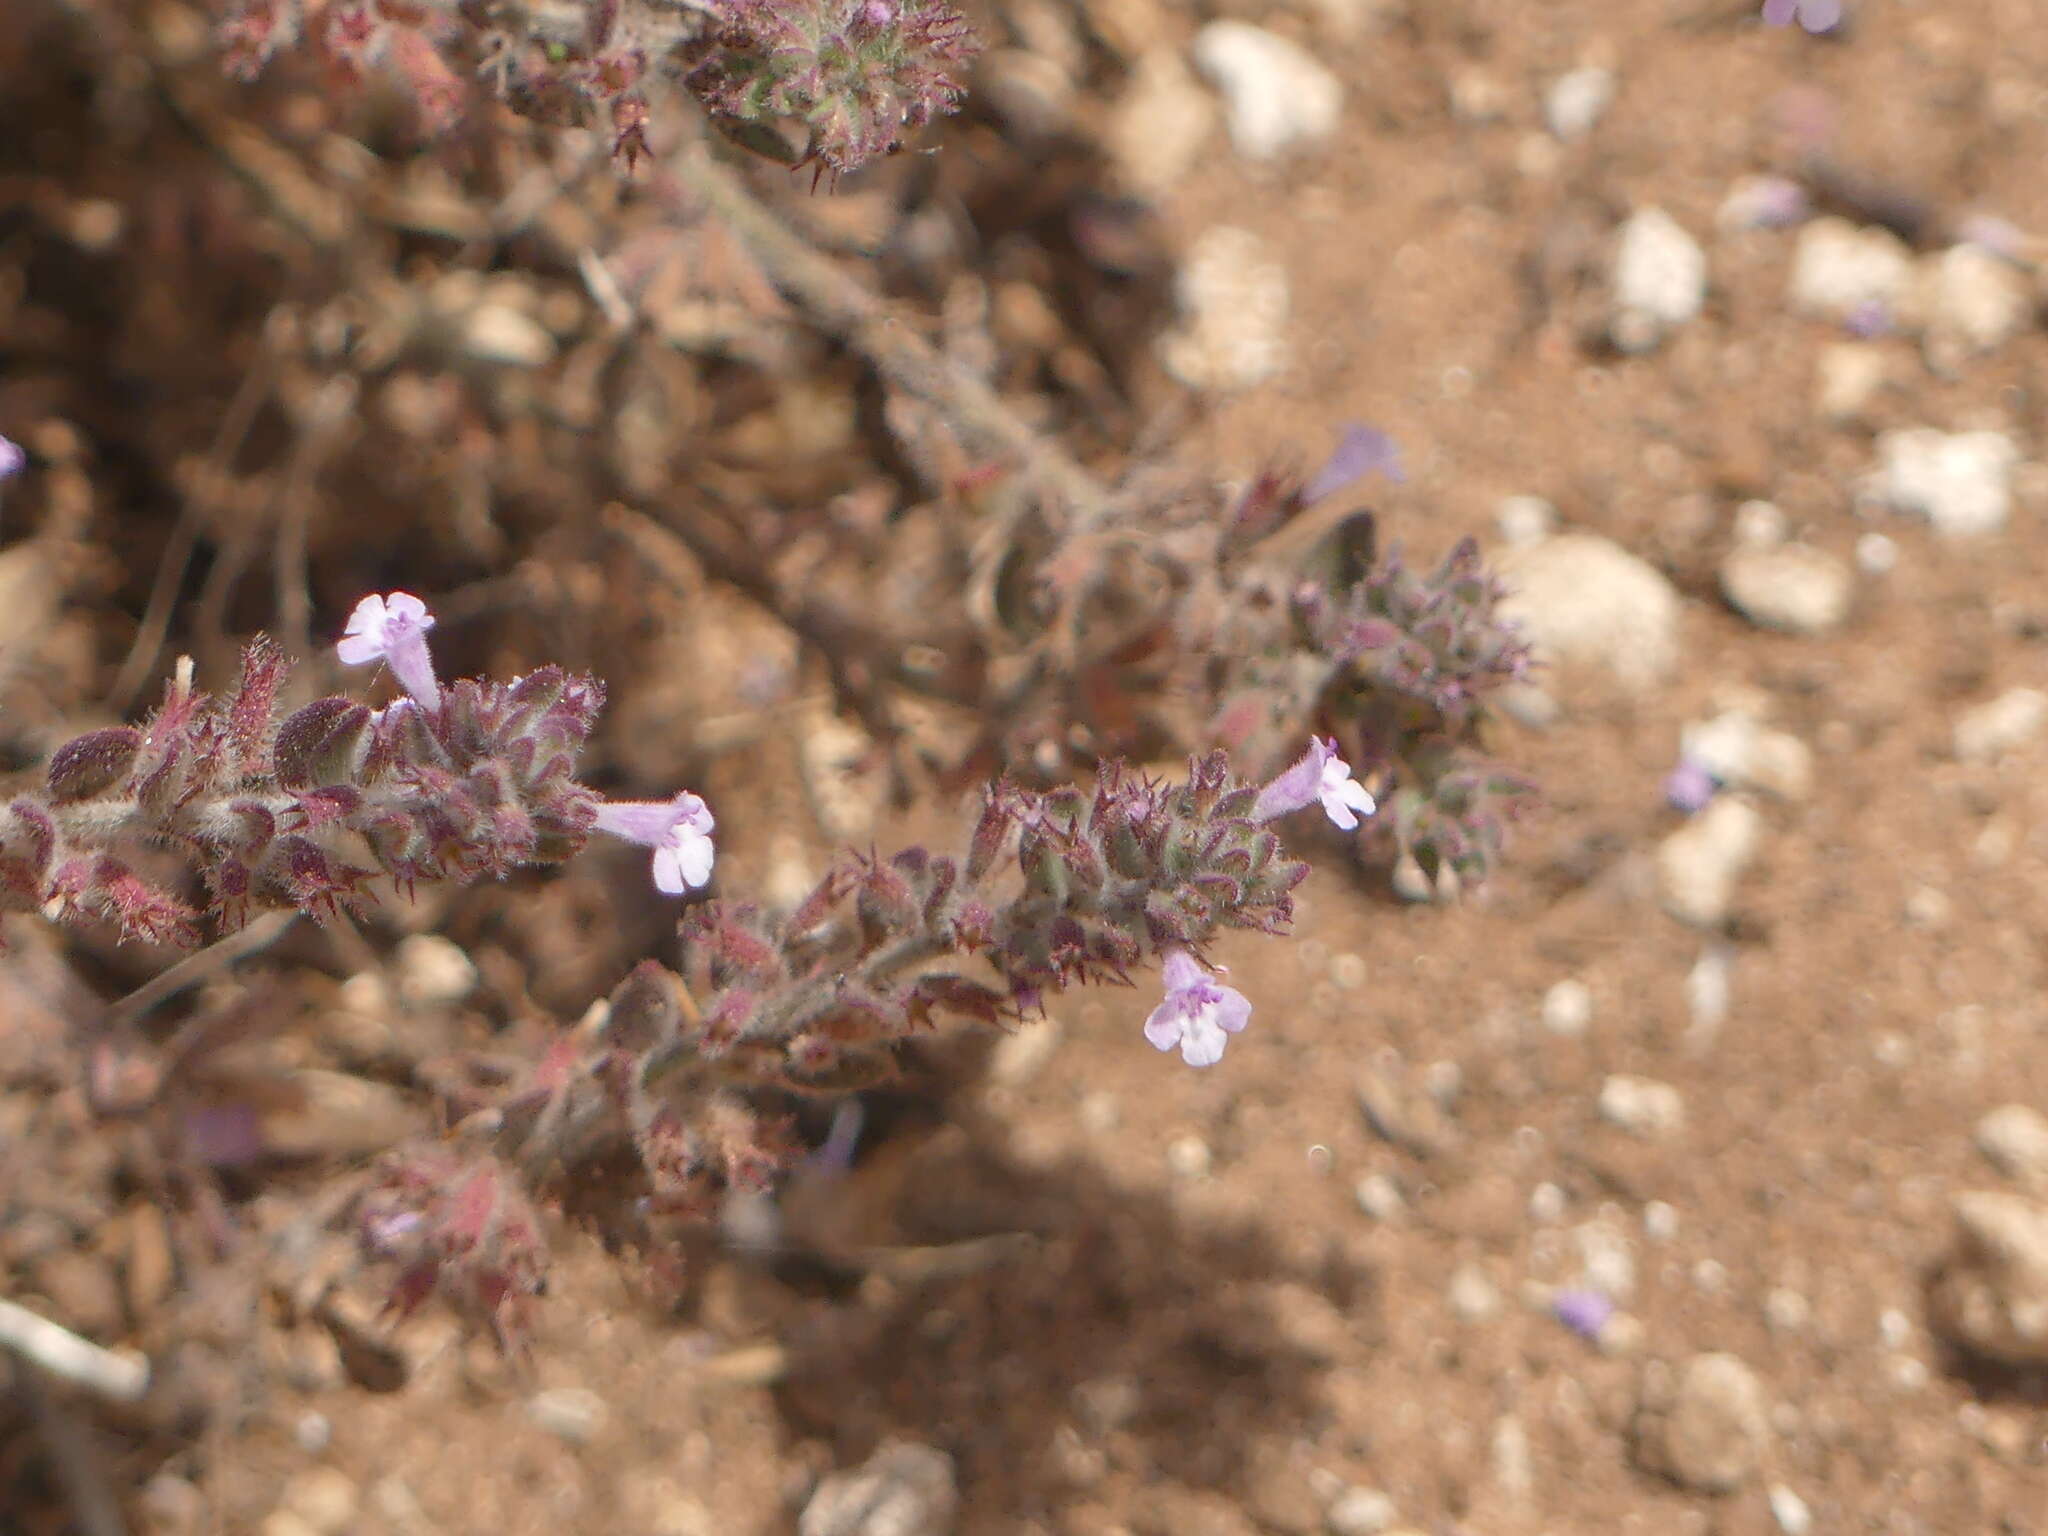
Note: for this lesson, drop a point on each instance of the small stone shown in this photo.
(1715, 1429)
(1508, 1455)
(1741, 754)
(1021, 1054)
(1659, 278)
(1568, 1008)
(1786, 1310)
(1189, 1157)
(1641, 1106)
(1974, 302)
(569, 1413)
(433, 971)
(312, 1432)
(1584, 602)
(1233, 301)
(1850, 373)
(1990, 1292)
(1471, 1295)
(1660, 1221)
(1992, 729)
(904, 1489)
(1360, 1512)
(1927, 907)
(1793, 587)
(1159, 126)
(1546, 1203)
(325, 1498)
(1877, 554)
(1839, 269)
(1699, 865)
(1380, 1197)
(2014, 1140)
(1524, 520)
(1607, 1263)
(1790, 1511)
(1577, 101)
(1709, 987)
(1277, 94)
(497, 333)
(1762, 202)
(1960, 482)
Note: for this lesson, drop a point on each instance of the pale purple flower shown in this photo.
(1320, 775)
(1814, 15)
(1689, 786)
(393, 630)
(12, 459)
(679, 832)
(1363, 451)
(1585, 1312)
(1198, 1014)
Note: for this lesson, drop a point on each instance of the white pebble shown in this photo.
(1233, 299)
(1359, 1512)
(1278, 95)
(1839, 268)
(1472, 1296)
(1568, 1007)
(1992, 729)
(1877, 554)
(1546, 1203)
(1524, 520)
(2014, 1140)
(1961, 482)
(1577, 101)
(1786, 1310)
(1659, 277)
(1189, 1157)
(1790, 1511)
(433, 971)
(573, 1414)
(1380, 1197)
(1660, 1221)
(1641, 1106)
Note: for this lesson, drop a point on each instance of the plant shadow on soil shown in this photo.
(1048, 1328)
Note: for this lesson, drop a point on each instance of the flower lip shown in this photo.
(679, 832)
(393, 630)
(1199, 1013)
(1319, 774)
(13, 459)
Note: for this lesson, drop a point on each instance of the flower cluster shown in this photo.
(455, 782)
(679, 1083)
(857, 75)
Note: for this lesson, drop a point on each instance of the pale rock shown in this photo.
(1021, 1054)
(325, 1498)
(432, 971)
(1471, 1295)
(1762, 202)
(1790, 1511)
(1584, 602)
(1233, 301)
(1510, 1458)
(1160, 125)
(1713, 1432)
(2014, 1140)
(1642, 1106)
(1742, 753)
(904, 1489)
(498, 333)
(573, 1414)
(1793, 588)
(1850, 375)
(1524, 520)
(1577, 101)
(1031, 92)
(1699, 865)
(1568, 1008)
(1877, 554)
(1961, 482)
(1359, 1512)
(1659, 280)
(1839, 268)
(1278, 95)
(1380, 1197)
(1990, 1293)
(1990, 730)
(1974, 301)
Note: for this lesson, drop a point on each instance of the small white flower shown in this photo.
(1322, 775)
(1199, 1014)
(393, 630)
(679, 832)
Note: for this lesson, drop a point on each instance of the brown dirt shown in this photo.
(1199, 1330)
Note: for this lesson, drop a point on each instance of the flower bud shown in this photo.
(93, 763)
(323, 743)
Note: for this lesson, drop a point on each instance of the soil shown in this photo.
(1123, 1295)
